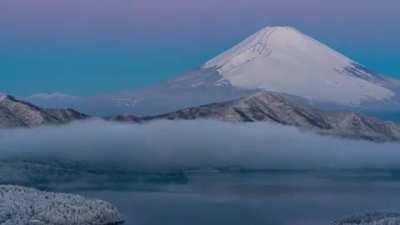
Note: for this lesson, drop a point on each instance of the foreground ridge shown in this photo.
(26, 206)
(375, 218)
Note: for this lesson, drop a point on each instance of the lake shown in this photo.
(255, 198)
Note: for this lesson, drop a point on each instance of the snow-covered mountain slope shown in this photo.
(26, 206)
(282, 59)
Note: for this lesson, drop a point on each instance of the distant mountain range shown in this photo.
(277, 108)
(260, 107)
(277, 59)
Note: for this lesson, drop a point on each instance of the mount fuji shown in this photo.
(281, 59)
(276, 59)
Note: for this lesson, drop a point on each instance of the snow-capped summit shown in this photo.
(282, 59)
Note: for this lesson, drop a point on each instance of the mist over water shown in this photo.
(309, 186)
(163, 145)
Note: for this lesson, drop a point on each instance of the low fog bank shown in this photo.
(164, 145)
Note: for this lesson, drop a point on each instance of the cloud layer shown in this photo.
(195, 144)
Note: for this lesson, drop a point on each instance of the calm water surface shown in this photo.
(262, 198)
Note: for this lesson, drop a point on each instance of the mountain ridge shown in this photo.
(17, 113)
(263, 106)
(274, 107)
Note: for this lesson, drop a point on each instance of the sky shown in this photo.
(87, 47)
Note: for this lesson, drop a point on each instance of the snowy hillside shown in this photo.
(376, 218)
(25, 206)
(282, 59)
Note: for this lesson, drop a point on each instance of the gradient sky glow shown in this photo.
(84, 47)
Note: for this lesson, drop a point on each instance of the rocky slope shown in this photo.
(26, 206)
(278, 108)
(16, 113)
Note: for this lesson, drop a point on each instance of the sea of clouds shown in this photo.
(195, 144)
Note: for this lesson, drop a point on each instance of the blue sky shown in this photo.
(96, 46)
